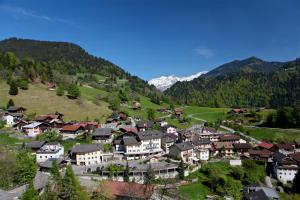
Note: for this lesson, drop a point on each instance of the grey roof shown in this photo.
(201, 141)
(183, 146)
(258, 195)
(14, 108)
(35, 144)
(269, 192)
(40, 180)
(149, 135)
(130, 141)
(85, 148)
(277, 156)
(48, 163)
(103, 132)
(168, 138)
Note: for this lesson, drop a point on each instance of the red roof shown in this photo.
(265, 145)
(128, 190)
(71, 128)
(263, 152)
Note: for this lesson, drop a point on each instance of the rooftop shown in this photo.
(103, 132)
(184, 146)
(86, 148)
(148, 135)
(128, 141)
(32, 125)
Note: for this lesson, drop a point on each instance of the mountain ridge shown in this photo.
(164, 82)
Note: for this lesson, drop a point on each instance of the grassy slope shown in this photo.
(209, 114)
(276, 135)
(39, 100)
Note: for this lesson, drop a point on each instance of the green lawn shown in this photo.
(276, 135)
(91, 93)
(194, 191)
(205, 113)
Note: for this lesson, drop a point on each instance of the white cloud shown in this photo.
(205, 52)
(18, 11)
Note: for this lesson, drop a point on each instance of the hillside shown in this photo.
(242, 88)
(38, 99)
(251, 64)
(59, 62)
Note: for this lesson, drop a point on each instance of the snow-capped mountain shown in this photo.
(164, 82)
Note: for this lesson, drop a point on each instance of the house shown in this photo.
(123, 116)
(168, 140)
(47, 165)
(128, 129)
(128, 190)
(102, 135)
(144, 125)
(230, 138)
(150, 141)
(260, 155)
(224, 149)
(169, 129)
(15, 109)
(286, 167)
(136, 105)
(238, 110)
(140, 145)
(201, 143)
(49, 150)
(257, 192)
(35, 145)
(9, 120)
(132, 148)
(182, 151)
(70, 131)
(178, 112)
(185, 135)
(86, 154)
(265, 145)
(34, 129)
(18, 126)
(202, 154)
(241, 148)
(285, 148)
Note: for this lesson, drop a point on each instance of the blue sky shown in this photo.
(150, 38)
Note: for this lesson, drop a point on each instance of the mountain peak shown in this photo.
(164, 82)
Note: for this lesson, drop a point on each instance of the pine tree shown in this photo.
(73, 91)
(149, 176)
(10, 103)
(126, 174)
(13, 90)
(30, 193)
(71, 188)
(181, 170)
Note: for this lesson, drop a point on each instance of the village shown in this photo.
(124, 144)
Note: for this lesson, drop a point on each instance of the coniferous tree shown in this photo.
(13, 90)
(10, 103)
(127, 173)
(73, 91)
(181, 170)
(71, 188)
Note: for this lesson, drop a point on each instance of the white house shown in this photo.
(48, 151)
(88, 154)
(286, 173)
(146, 143)
(32, 129)
(9, 120)
(202, 154)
